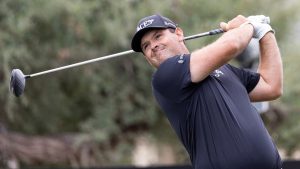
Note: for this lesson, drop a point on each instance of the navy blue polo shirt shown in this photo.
(214, 118)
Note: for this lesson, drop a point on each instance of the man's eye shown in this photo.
(157, 36)
(145, 47)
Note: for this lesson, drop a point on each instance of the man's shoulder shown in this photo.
(177, 60)
(172, 77)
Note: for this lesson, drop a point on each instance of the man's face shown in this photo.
(161, 44)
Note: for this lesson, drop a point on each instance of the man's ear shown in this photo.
(179, 33)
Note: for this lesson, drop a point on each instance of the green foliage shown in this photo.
(288, 132)
(111, 99)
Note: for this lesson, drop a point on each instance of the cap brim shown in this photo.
(136, 40)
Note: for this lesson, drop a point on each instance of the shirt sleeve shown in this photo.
(247, 77)
(172, 78)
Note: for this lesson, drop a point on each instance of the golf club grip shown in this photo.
(215, 31)
(212, 32)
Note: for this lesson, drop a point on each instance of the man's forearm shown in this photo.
(270, 66)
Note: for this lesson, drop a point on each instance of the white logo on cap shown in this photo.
(145, 24)
(169, 24)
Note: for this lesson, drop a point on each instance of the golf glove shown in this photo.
(261, 25)
(259, 18)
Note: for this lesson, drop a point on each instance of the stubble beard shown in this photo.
(163, 55)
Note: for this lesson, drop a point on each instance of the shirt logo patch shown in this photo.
(218, 73)
(181, 59)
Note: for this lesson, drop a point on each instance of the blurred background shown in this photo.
(104, 114)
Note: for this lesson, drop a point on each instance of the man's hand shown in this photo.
(259, 19)
(261, 25)
(234, 23)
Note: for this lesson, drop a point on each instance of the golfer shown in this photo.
(207, 100)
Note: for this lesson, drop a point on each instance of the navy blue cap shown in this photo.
(148, 23)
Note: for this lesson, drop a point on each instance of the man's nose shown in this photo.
(154, 46)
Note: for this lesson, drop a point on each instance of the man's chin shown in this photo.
(164, 55)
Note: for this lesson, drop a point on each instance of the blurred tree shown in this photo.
(111, 101)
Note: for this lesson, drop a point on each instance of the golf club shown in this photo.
(18, 79)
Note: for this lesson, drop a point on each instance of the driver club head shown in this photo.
(17, 82)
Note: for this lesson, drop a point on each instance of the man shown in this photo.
(207, 101)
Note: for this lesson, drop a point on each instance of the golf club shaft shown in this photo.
(80, 63)
(212, 32)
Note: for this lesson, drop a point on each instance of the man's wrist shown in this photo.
(269, 35)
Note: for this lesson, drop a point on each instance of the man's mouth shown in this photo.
(159, 52)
